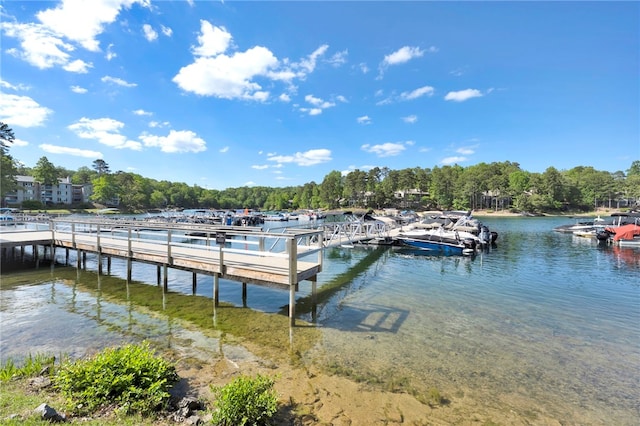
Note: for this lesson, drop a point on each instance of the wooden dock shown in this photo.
(280, 259)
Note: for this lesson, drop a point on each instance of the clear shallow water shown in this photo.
(544, 325)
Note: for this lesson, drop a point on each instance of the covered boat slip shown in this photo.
(242, 254)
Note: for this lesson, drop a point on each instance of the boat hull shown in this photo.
(441, 247)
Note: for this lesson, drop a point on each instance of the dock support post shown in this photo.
(99, 263)
(166, 278)
(84, 260)
(244, 295)
(66, 257)
(292, 305)
(78, 259)
(194, 283)
(36, 253)
(129, 269)
(159, 274)
(314, 299)
(216, 289)
(109, 265)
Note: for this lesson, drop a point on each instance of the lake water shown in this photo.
(545, 324)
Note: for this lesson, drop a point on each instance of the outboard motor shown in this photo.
(603, 236)
(469, 243)
(485, 235)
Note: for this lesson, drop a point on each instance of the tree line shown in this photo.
(497, 185)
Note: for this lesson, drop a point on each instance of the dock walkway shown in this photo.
(242, 254)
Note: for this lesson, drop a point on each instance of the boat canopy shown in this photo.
(624, 232)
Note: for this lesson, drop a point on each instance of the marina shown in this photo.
(541, 330)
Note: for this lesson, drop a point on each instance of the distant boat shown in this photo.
(111, 210)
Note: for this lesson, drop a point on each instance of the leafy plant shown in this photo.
(245, 401)
(131, 377)
(32, 366)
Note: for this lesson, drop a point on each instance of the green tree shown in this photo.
(83, 175)
(105, 189)
(443, 185)
(8, 167)
(331, 190)
(101, 166)
(8, 173)
(6, 137)
(45, 172)
(634, 169)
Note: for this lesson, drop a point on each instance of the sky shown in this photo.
(231, 94)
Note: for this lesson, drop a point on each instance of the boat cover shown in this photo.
(624, 232)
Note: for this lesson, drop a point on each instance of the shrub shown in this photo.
(245, 401)
(131, 377)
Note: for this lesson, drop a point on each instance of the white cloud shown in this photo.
(52, 41)
(406, 96)
(453, 160)
(402, 55)
(22, 111)
(339, 58)
(312, 111)
(142, 112)
(233, 75)
(104, 130)
(284, 98)
(262, 167)
(110, 54)
(227, 77)
(417, 93)
(19, 142)
(365, 119)
(78, 89)
(6, 85)
(76, 152)
(166, 31)
(309, 64)
(175, 142)
(410, 119)
(465, 150)
(388, 149)
(463, 95)
(117, 81)
(154, 124)
(318, 105)
(212, 40)
(40, 46)
(82, 21)
(78, 66)
(363, 67)
(149, 33)
(224, 149)
(308, 158)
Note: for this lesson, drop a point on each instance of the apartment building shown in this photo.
(64, 192)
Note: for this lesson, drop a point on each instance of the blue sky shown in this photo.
(228, 94)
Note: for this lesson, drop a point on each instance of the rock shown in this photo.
(48, 413)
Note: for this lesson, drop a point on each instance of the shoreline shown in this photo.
(508, 213)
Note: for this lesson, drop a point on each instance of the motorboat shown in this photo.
(440, 240)
(624, 235)
(465, 237)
